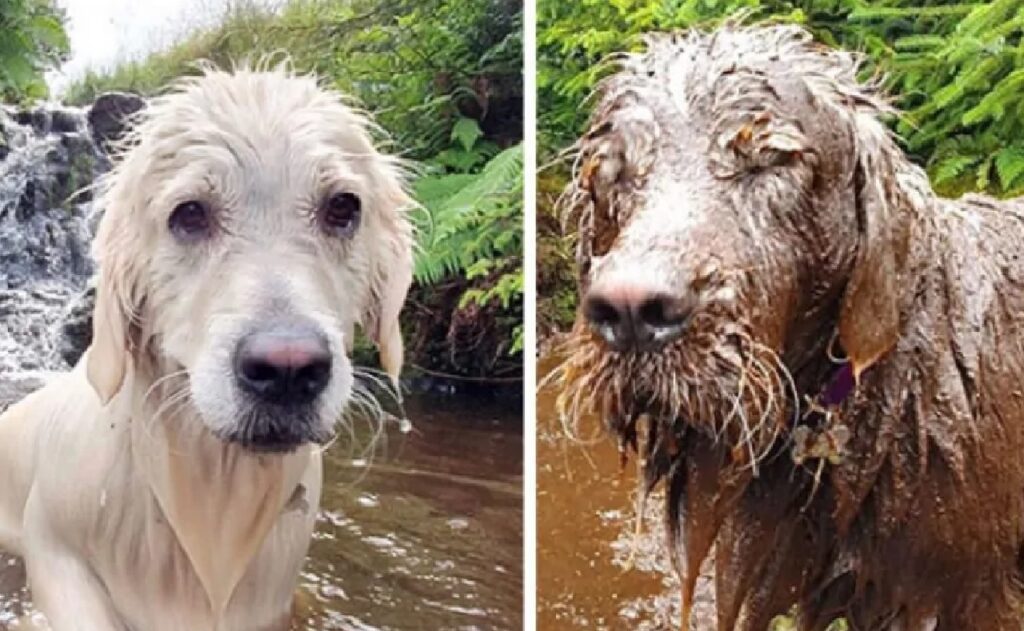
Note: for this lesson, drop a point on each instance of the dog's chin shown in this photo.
(276, 429)
(704, 382)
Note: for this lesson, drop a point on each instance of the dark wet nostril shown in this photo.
(662, 311)
(313, 377)
(631, 318)
(610, 319)
(601, 312)
(257, 371)
(660, 319)
(283, 366)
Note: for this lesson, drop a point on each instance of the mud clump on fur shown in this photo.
(747, 169)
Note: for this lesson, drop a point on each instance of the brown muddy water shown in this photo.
(595, 569)
(426, 535)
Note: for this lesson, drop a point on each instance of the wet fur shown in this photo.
(126, 484)
(816, 237)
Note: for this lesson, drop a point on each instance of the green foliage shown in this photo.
(32, 40)
(470, 217)
(957, 71)
(473, 227)
(420, 65)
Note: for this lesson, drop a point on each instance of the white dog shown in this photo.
(170, 481)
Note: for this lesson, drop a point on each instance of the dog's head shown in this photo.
(736, 198)
(249, 226)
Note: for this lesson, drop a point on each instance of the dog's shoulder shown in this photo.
(984, 208)
(13, 388)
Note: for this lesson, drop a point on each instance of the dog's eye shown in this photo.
(341, 214)
(190, 220)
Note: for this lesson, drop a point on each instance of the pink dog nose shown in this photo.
(633, 317)
(284, 365)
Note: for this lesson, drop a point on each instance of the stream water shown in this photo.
(595, 569)
(430, 535)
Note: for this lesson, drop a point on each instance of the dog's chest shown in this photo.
(153, 583)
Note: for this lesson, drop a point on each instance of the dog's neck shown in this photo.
(219, 499)
(810, 357)
(819, 365)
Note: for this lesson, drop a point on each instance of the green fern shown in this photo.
(1010, 166)
(469, 217)
(952, 167)
(472, 227)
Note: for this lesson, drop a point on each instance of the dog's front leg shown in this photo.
(64, 588)
(69, 594)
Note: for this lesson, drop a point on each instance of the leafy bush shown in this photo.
(955, 69)
(32, 40)
(959, 72)
(470, 217)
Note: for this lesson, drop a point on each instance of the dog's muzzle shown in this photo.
(282, 369)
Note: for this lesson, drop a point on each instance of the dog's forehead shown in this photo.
(251, 115)
(252, 136)
(708, 107)
(692, 78)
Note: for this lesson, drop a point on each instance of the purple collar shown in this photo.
(838, 388)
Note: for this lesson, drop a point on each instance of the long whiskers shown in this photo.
(734, 387)
(161, 381)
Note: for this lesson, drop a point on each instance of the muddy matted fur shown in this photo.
(748, 168)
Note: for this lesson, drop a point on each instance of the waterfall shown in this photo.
(48, 161)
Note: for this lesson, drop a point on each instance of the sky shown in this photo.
(103, 32)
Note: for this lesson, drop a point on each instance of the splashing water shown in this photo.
(47, 162)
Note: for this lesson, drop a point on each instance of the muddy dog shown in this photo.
(817, 357)
(170, 481)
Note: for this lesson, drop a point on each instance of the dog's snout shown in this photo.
(284, 365)
(631, 317)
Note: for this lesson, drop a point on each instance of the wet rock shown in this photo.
(76, 330)
(38, 119)
(66, 120)
(109, 114)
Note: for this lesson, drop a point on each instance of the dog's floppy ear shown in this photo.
(390, 280)
(116, 304)
(869, 319)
